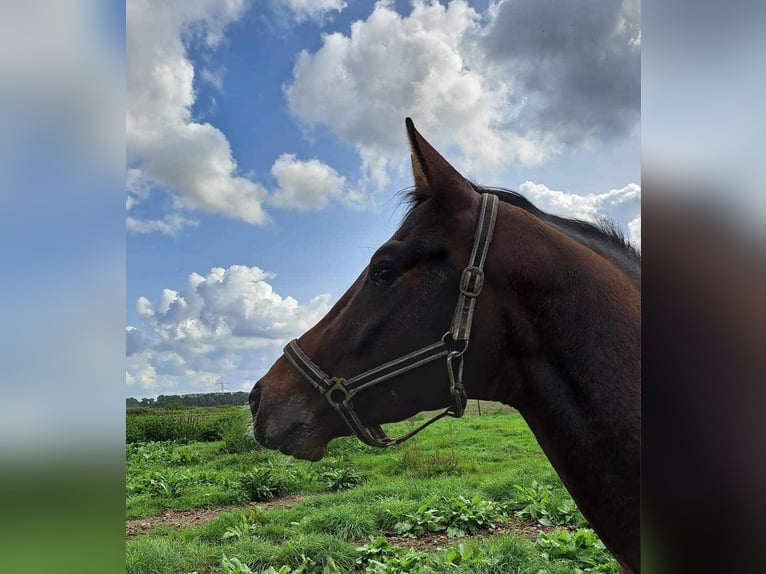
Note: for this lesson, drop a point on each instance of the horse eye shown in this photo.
(384, 274)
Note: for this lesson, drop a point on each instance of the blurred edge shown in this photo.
(62, 69)
(704, 286)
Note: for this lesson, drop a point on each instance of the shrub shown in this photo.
(458, 517)
(539, 503)
(134, 430)
(270, 481)
(164, 427)
(421, 522)
(236, 432)
(583, 547)
(465, 516)
(158, 428)
(210, 430)
(186, 428)
(467, 558)
(169, 485)
(381, 557)
(379, 550)
(163, 453)
(183, 456)
(258, 485)
(244, 525)
(341, 478)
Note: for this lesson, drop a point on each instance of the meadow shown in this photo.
(466, 495)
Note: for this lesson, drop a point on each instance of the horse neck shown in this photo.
(578, 383)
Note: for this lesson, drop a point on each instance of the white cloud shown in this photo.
(305, 185)
(317, 10)
(134, 341)
(170, 224)
(140, 373)
(174, 151)
(623, 205)
(489, 89)
(587, 207)
(168, 149)
(226, 322)
(576, 64)
(361, 87)
(138, 189)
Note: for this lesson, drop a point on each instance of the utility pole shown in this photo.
(222, 385)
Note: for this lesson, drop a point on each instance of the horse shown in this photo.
(541, 313)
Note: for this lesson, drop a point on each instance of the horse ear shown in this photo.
(432, 172)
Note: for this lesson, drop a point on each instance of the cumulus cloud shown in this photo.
(138, 189)
(228, 321)
(622, 205)
(192, 159)
(316, 10)
(305, 185)
(168, 149)
(514, 85)
(577, 64)
(361, 87)
(587, 207)
(134, 341)
(228, 304)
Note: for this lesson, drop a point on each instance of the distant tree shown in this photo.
(191, 400)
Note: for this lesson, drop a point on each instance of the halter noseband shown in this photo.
(339, 392)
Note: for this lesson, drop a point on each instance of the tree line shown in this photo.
(193, 400)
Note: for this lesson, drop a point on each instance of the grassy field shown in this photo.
(469, 495)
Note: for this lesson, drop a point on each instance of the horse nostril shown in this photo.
(255, 398)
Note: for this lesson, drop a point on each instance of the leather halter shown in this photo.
(339, 392)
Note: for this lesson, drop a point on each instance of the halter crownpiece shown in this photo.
(340, 392)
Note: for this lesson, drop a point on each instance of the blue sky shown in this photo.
(266, 146)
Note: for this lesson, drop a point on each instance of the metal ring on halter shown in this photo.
(338, 385)
(449, 344)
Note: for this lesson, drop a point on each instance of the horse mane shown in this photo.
(603, 232)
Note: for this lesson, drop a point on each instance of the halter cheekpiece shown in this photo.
(340, 392)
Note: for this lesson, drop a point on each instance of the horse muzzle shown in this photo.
(285, 422)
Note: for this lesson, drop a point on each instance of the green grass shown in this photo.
(354, 494)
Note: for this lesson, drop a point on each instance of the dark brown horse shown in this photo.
(556, 334)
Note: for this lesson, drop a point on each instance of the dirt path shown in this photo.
(183, 518)
(432, 541)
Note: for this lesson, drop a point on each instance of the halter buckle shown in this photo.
(338, 385)
(472, 281)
